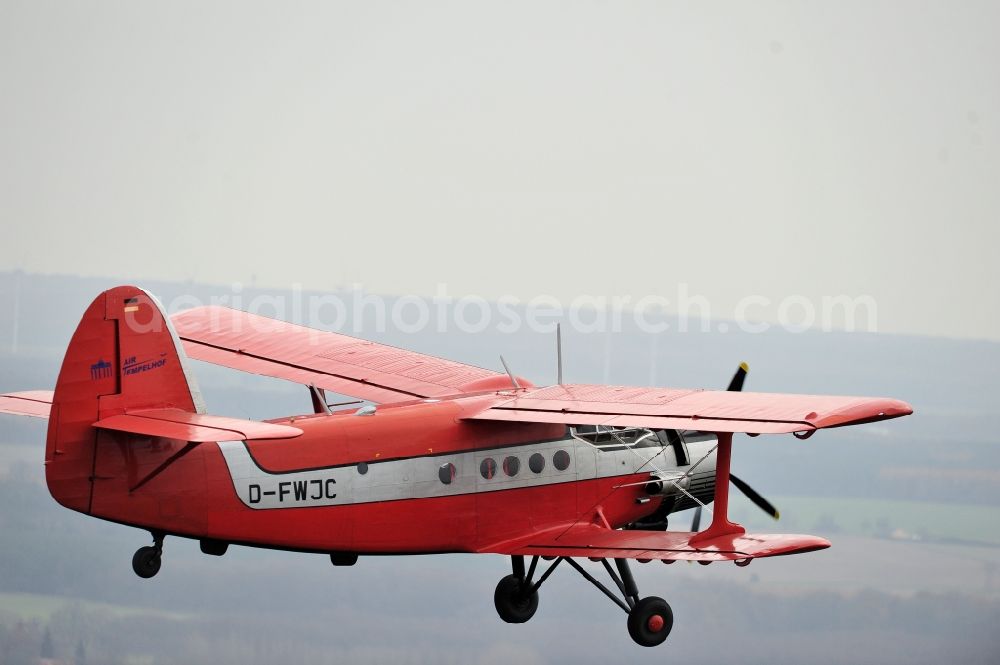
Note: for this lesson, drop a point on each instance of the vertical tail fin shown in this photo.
(124, 355)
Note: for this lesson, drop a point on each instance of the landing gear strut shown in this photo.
(650, 619)
(146, 560)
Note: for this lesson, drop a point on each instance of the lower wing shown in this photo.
(598, 542)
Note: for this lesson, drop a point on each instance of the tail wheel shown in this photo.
(512, 603)
(650, 621)
(146, 562)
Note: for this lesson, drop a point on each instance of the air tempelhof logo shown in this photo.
(100, 370)
(134, 366)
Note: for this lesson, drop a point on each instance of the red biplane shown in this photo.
(446, 457)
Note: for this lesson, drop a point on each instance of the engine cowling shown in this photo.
(694, 474)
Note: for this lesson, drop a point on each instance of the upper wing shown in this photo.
(714, 411)
(585, 539)
(28, 403)
(342, 364)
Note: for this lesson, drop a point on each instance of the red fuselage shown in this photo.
(409, 478)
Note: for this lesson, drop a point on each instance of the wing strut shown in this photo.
(318, 396)
(721, 526)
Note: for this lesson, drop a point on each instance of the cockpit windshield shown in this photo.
(616, 438)
(621, 438)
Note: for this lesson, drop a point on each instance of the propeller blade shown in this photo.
(736, 385)
(756, 498)
(696, 522)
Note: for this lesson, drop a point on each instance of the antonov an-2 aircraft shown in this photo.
(447, 457)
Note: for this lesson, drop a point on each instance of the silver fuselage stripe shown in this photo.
(420, 477)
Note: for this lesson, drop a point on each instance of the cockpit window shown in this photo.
(692, 435)
(674, 439)
(623, 438)
(617, 438)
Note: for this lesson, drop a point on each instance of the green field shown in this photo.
(39, 606)
(903, 520)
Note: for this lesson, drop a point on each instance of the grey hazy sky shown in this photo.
(514, 148)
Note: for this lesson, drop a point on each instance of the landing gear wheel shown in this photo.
(650, 621)
(146, 562)
(513, 605)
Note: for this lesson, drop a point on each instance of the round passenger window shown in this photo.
(511, 466)
(446, 472)
(536, 463)
(488, 468)
(561, 460)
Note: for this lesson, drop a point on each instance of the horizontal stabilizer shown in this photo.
(195, 427)
(35, 403)
(590, 540)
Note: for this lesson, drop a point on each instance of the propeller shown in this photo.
(755, 497)
(750, 493)
(736, 384)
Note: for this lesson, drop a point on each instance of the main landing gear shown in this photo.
(515, 599)
(649, 619)
(146, 560)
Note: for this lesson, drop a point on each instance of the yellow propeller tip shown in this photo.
(777, 515)
(744, 367)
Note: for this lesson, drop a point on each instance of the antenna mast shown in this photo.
(559, 378)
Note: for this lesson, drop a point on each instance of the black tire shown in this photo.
(650, 621)
(146, 562)
(512, 604)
